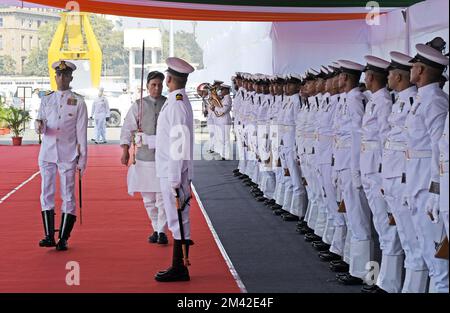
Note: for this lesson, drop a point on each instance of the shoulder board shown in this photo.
(48, 93)
(179, 96)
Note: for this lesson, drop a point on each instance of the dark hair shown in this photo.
(153, 75)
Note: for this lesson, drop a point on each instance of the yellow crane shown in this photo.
(74, 39)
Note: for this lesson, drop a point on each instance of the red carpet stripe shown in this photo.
(111, 246)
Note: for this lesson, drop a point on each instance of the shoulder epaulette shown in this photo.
(48, 93)
(179, 96)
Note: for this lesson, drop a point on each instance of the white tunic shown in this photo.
(175, 138)
(65, 116)
(100, 108)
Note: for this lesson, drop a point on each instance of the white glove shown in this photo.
(81, 168)
(356, 180)
(432, 207)
(174, 185)
(40, 126)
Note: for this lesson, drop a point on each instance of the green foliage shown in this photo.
(15, 119)
(185, 47)
(7, 65)
(115, 56)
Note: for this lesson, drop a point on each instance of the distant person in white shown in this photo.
(100, 112)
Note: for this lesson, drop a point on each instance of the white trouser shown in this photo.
(267, 183)
(393, 190)
(429, 234)
(444, 200)
(222, 145)
(211, 128)
(288, 189)
(312, 188)
(67, 185)
(329, 196)
(281, 186)
(171, 208)
(358, 222)
(299, 201)
(153, 202)
(100, 128)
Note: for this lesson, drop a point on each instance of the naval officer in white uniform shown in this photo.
(174, 163)
(62, 120)
(142, 175)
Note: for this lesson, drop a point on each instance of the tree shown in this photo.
(38, 57)
(185, 47)
(115, 56)
(7, 65)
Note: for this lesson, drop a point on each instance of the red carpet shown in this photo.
(111, 246)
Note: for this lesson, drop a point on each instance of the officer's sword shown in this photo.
(140, 107)
(180, 222)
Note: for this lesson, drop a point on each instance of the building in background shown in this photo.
(153, 52)
(19, 31)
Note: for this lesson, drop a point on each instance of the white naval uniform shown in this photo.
(174, 157)
(443, 168)
(424, 126)
(393, 167)
(211, 121)
(64, 145)
(100, 111)
(141, 177)
(348, 146)
(222, 127)
(375, 128)
(335, 229)
(275, 135)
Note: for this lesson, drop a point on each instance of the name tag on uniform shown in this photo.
(72, 101)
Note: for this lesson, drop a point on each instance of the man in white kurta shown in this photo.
(141, 121)
(62, 120)
(100, 113)
(174, 165)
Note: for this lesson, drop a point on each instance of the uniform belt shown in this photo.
(443, 167)
(308, 135)
(370, 145)
(343, 145)
(395, 146)
(324, 137)
(418, 154)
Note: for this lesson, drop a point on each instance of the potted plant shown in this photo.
(16, 120)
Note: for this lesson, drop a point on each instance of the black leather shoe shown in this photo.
(260, 198)
(328, 256)
(350, 280)
(257, 194)
(61, 245)
(153, 238)
(47, 242)
(304, 230)
(236, 170)
(243, 176)
(289, 217)
(320, 246)
(372, 289)
(67, 223)
(269, 202)
(173, 274)
(312, 237)
(278, 211)
(237, 174)
(162, 239)
(48, 219)
(302, 223)
(339, 266)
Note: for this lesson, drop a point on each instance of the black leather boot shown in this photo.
(48, 218)
(67, 222)
(178, 271)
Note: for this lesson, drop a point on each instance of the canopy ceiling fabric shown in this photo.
(233, 10)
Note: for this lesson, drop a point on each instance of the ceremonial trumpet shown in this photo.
(210, 93)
